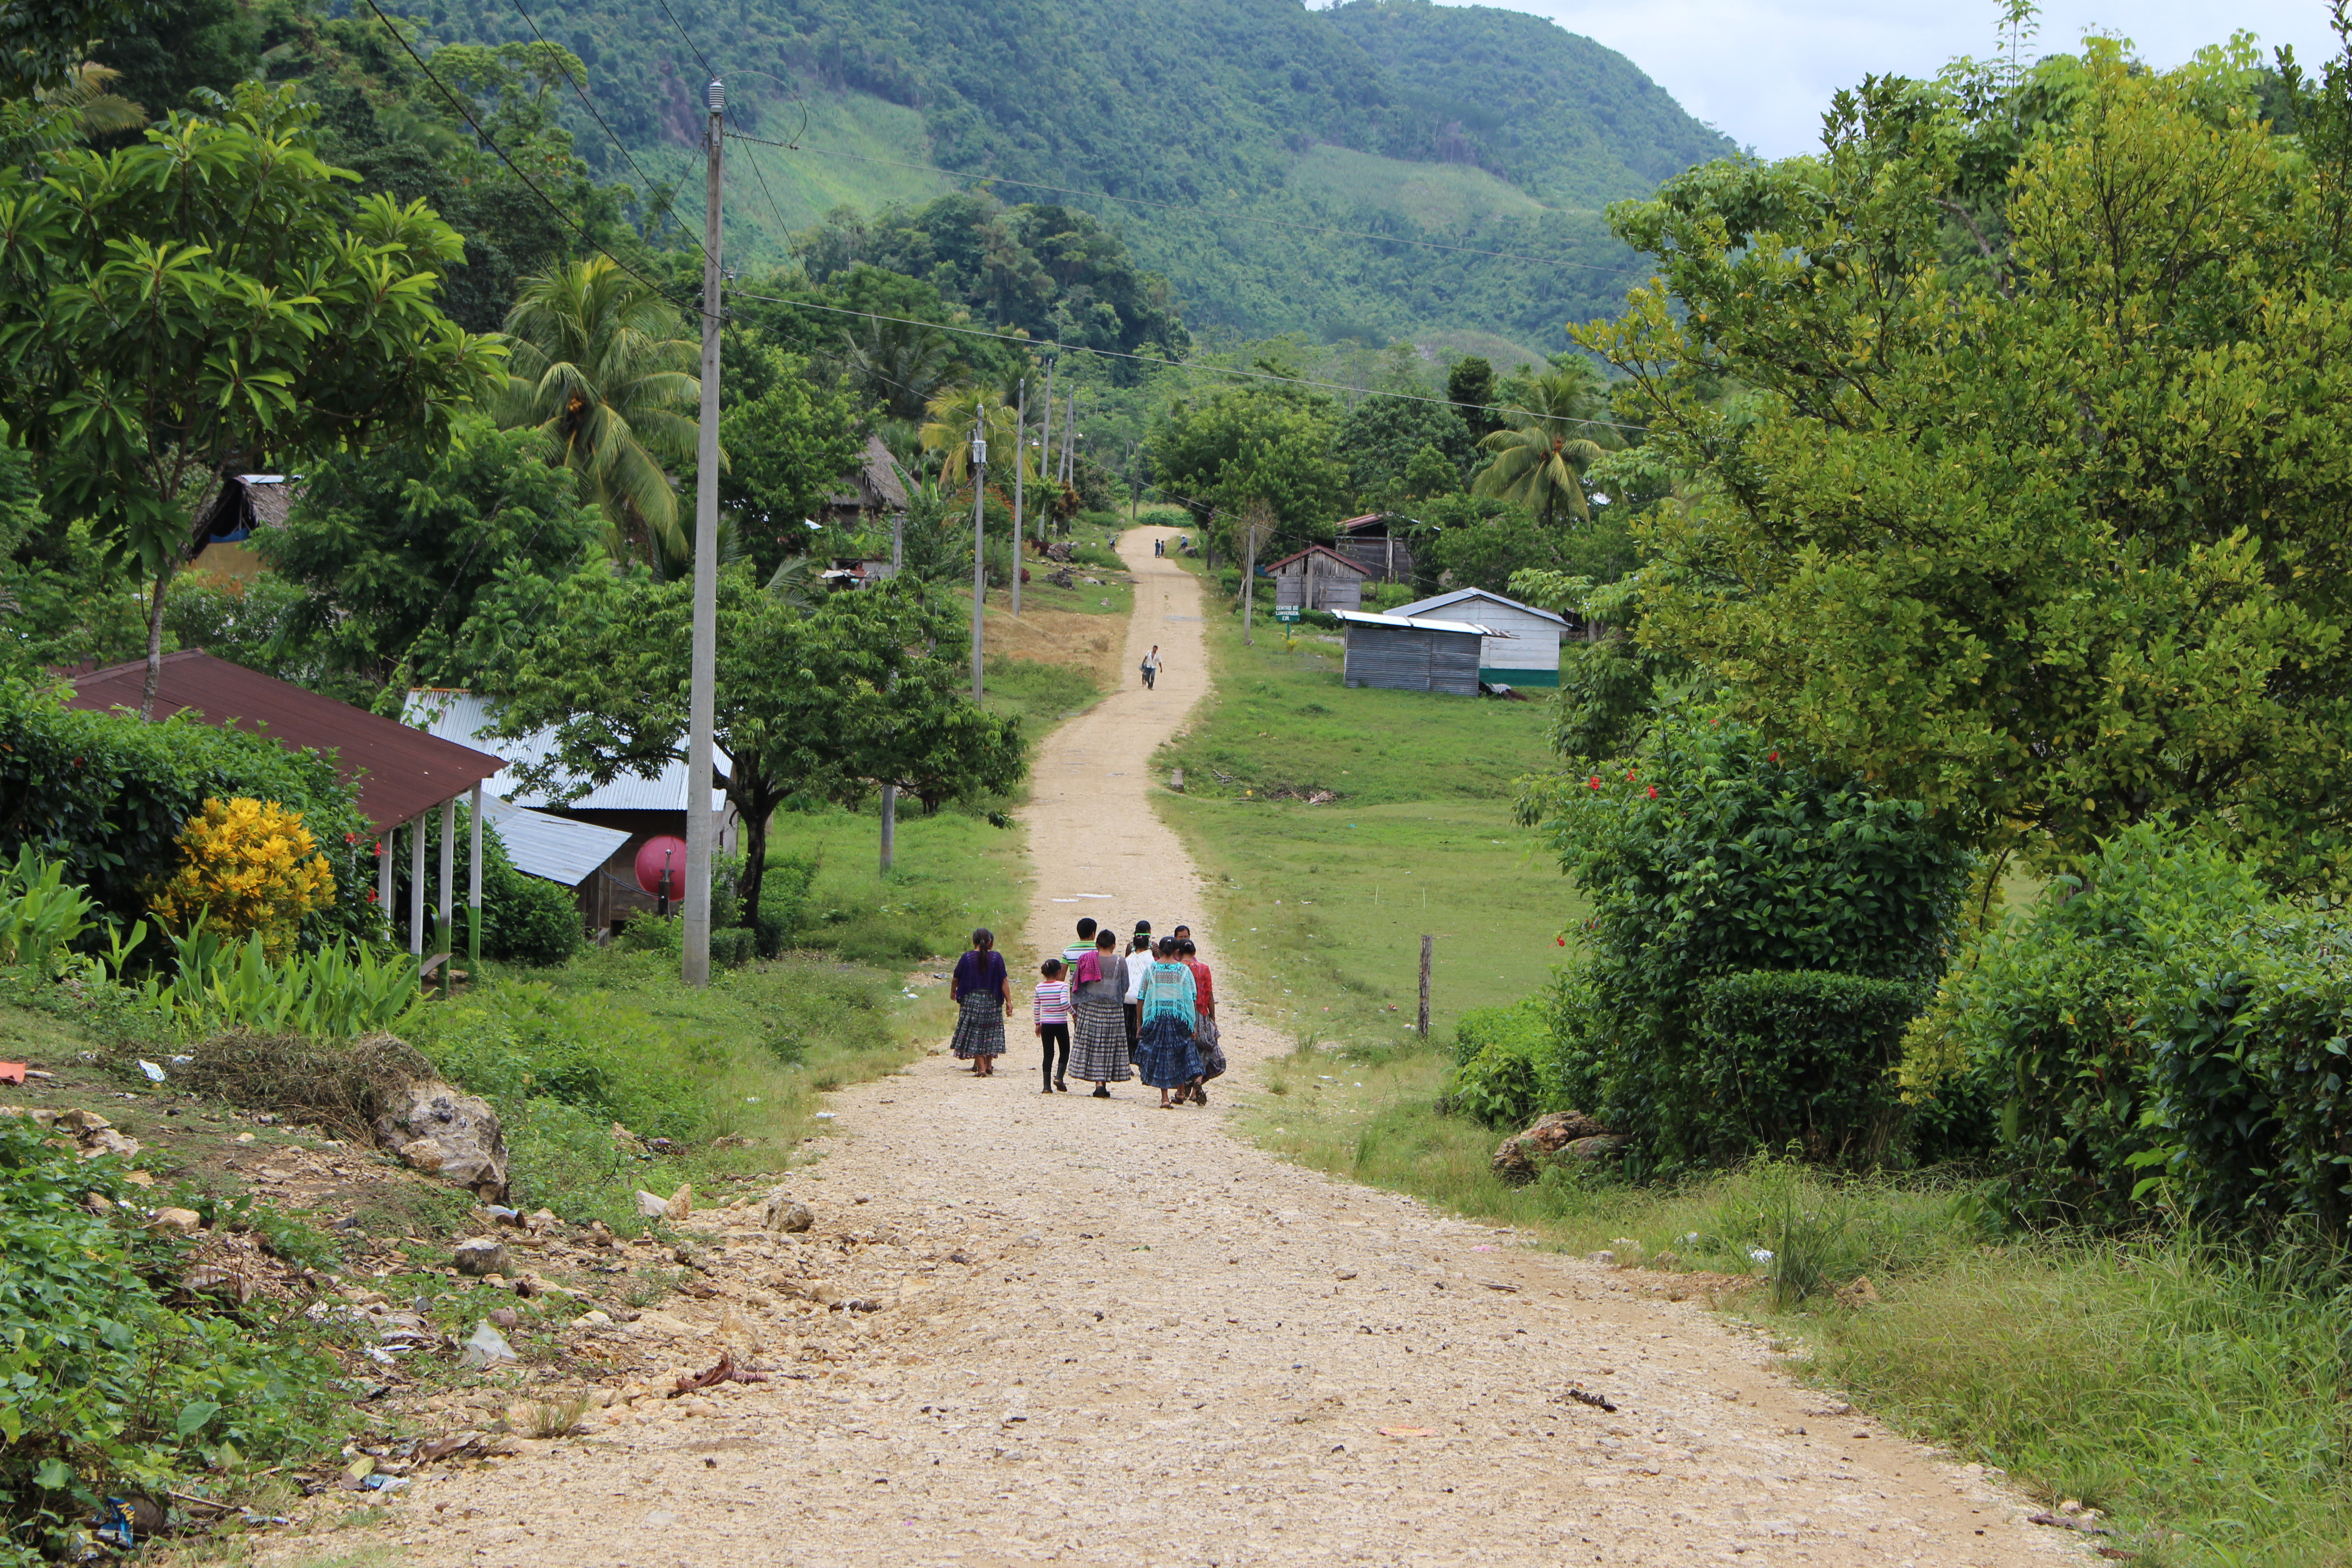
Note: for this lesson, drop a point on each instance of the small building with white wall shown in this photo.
(1522, 647)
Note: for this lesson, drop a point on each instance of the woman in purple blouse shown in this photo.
(979, 990)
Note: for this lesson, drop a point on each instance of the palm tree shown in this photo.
(896, 366)
(600, 365)
(1540, 458)
(948, 432)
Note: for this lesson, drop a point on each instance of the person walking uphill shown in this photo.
(979, 990)
(1098, 1016)
(1051, 1007)
(1151, 667)
(1169, 1060)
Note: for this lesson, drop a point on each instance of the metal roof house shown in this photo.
(1317, 578)
(1527, 653)
(1406, 653)
(1373, 542)
(401, 776)
(624, 813)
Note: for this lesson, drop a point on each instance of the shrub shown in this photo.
(40, 912)
(733, 946)
(2045, 1018)
(247, 867)
(1805, 1057)
(109, 1387)
(109, 796)
(1523, 1024)
(525, 919)
(784, 901)
(1505, 1085)
(1707, 856)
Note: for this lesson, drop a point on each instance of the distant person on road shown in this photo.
(1098, 1017)
(1080, 947)
(1204, 1009)
(1151, 667)
(1051, 1007)
(1170, 1060)
(979, 991)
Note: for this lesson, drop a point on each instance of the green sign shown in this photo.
(1285, 613)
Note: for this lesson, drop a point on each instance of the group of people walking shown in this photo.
(1101, 1015)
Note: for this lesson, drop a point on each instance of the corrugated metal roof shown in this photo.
(400, 772)
(466, 716)
(1442, 601)
(555, 848)
(1417, 623)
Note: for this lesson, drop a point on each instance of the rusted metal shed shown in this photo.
(401, 773)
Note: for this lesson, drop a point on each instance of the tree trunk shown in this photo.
(755, 853)
(154, 646)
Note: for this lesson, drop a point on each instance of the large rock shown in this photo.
(481, 1255)
(461, 1128)
(786, 1213)
(1516, 1156)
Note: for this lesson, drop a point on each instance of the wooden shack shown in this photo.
(1373, 542)
(1406, 653)
(1317, 578)
(1526, 654)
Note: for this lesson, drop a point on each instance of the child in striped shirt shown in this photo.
(1051, 1008)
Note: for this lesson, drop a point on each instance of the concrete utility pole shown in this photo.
(1045, 426)
(889, 826)
(694, 963)
(1020, 461)
(1249, 576)
(978, 537)
(1070, 439)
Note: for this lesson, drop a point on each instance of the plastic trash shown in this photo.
(154, 1074)
(487, 1347)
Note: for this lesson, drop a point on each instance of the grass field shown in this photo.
(1437, 196)
(1320, 907)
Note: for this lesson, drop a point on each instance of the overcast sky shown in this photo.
(1761, 71)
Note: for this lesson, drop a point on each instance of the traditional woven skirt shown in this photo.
(1098, 1040)
(1166, 1056)
(980, 1026)
(1212, 1050)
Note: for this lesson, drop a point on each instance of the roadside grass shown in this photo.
(950, 871)
(1319, 909)
(1043, 694)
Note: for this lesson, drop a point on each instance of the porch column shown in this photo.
(416, 885)
(474, 887)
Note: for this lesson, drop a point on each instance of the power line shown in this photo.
(582, 94)
(1170, 364)
(468, 116)
(1195, 206)
(783, 229)
(707, 72)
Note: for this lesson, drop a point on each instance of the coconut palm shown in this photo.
(1541, 452)
(948, 432)
(896, 366)
(600, 366)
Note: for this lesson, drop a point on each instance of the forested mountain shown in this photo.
(1259, 123)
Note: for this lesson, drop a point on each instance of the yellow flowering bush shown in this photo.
(247, 865)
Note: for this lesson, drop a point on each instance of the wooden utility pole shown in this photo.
(1020, 461)
(694, 961)
(1427, 943)
(978, 537)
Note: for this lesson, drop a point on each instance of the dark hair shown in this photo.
(1107, 941)
(1142, 943)
(983, 937)
(1184, 945)
(1142, 928)
(1167, 948)
(1050, 969)
(1182, 930)
(1086, 929)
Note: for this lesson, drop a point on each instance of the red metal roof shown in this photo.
(401, 773)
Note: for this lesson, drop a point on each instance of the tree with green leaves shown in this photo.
(788, 448)
(2030, 507)
(207, 302)
(1382, 439)
(1546, 444)
(1246, 444)
(604, 370)
(828, 699)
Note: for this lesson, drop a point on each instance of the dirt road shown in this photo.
(1045, 1328)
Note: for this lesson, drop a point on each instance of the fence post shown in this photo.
(1427, 943)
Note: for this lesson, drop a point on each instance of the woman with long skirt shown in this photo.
(979, 991)
(1098, 1016)
(1167, 1056)
(1204, 1013)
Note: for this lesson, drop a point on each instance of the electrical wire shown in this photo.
(782, 228)
(1195, 206)
(467, 114)
(582, 94)
(708, 74)
(1170, 364)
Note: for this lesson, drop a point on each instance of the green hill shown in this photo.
(1260, 124)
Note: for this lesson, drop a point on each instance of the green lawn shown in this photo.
(1320, 907)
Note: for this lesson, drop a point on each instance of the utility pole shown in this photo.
(694, 962)
(1045, 425)
(1070, 439)
(889, 826)
(1249, 575)
(1020, 461)
(978, 537)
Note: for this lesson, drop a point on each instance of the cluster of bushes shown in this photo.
(1758, 939)
(110, 1385)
